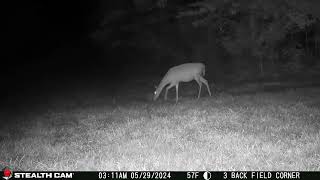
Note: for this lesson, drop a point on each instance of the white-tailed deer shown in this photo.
(182, 73)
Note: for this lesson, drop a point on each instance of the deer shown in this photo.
(182, 73)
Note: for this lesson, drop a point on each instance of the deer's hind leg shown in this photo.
(206, 83)
(177, 92)
(200, 85)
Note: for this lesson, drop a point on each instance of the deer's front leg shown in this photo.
(165, 95)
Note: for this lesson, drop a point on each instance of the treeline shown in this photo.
(237, 38)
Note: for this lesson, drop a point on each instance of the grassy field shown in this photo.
(91, 131)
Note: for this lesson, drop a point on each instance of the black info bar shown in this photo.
(163, 175)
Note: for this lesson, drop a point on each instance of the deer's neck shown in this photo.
(162, 84)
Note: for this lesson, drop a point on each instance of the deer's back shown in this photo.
(185, 72)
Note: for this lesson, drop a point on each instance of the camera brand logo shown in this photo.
(7, 173)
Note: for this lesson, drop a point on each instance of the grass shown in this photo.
(260, 131)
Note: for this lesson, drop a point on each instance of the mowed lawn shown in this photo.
(256, 131)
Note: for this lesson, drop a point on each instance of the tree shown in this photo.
(252, 27)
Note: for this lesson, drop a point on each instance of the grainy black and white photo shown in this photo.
(160, 85)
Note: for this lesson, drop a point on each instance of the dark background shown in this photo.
(52, 45)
